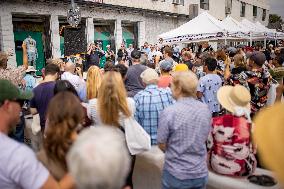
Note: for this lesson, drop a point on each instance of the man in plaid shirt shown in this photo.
(150, 102)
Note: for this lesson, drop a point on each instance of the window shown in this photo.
(263, 14)
(255, 11)
(204, 4)
(178, 2)
(228, 7)
(193, 10)
(243, 9)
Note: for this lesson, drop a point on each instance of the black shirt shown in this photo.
(93, 59)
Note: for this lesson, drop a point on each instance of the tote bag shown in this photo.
(36, 124)
(137, 139)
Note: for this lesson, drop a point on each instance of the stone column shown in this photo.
(141, 33)
(118, 34)
(55, 37)
(7, 36)
(90, 30)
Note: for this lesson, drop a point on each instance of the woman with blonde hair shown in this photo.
(112, 103)
(65, 114)
(234, 76)
(94, 79)
(112, 106)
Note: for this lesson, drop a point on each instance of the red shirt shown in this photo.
(165, 81)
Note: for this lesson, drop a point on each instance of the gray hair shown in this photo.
(144, 59)
(187, 82)
(99, 159)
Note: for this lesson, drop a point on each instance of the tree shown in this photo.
(274, 18)
(275, 22)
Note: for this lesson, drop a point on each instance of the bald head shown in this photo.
(70, 67)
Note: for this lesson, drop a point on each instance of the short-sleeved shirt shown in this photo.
(208, 86)
(165, 81)
(19, 168)
(184, 127)
(230, 145)
(30, 82)
(13, 74)
(146, 50)
(93, 59)
(149, 104)
(133, 81)
(75, 80)
(43, 93)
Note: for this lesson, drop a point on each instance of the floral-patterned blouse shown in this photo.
(230, 148)
(256, 81)
(13, 74)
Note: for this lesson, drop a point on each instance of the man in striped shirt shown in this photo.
(150, 102)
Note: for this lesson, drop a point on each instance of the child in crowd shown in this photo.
(209, 85)
(30, 79)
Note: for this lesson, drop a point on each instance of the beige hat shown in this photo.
(234, 97)
(268, 135)
(149, 76)
(31, 69)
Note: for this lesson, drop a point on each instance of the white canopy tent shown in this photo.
(202, 27)
(270, 33)
(235, 28)
(255, 32)
(205, 27)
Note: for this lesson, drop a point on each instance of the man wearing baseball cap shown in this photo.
(19, 167)
(133, 82)
(165, 78)
(11, 95)
(256, 80)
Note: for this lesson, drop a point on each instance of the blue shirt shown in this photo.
(208, 86)
(30, 82)
(184, 128)
(149, 104)
(147, 50)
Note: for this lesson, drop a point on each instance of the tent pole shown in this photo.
(250, 36)
(276, 40)
(265, 41)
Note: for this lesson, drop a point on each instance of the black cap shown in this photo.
(135, 54)
(258, 57)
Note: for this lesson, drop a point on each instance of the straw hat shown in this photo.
(235, 97)
(268, 135)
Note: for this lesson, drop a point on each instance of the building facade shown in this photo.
(106, 21)
(253, 10)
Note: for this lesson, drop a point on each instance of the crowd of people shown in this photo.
(197, 107)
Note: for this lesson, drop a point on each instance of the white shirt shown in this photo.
(75, 80)
(19, 167)
(93, 114)
(151, 54)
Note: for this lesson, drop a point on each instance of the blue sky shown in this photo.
(277, 7)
